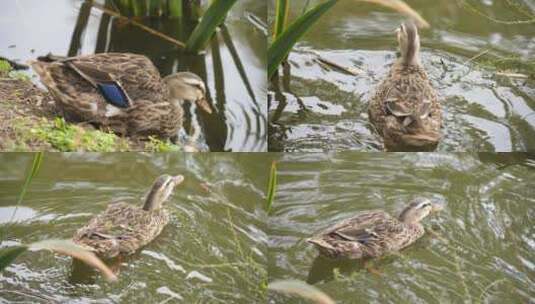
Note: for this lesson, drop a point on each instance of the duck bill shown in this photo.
(436, 207)
(178, 179)
(204, 105)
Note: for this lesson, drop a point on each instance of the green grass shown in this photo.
(67, 137)
(5, 67)
(157, 145)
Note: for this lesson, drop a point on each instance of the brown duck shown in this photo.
(405, 109)
(121, 92)
(374, 233)
(123, 228)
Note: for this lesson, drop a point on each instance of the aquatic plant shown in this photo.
(65, 247)
(286, 36)
(272, 186)
(301, 289)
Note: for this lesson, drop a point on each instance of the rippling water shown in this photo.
(32, 28)
(480, 249)
(324, 109)
(212, 251)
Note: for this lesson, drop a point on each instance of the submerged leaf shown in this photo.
(68, 247)
(302, 289)
(8, 255)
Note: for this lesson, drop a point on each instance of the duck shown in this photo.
(374, 233)
(405, 109)
(123, 228)
(120, 92)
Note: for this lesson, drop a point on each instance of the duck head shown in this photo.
(409, 43)
(187, 86)
(418, 209)
(161, 189)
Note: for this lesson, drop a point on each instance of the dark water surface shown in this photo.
(31, 28)
(479, 249)
(323, 109)
(212, 250)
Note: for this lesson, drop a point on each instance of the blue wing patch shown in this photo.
(114, 94)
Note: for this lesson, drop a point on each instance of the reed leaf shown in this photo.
(36, 164)
(212, 18)
(68, 247)
(272, 186)
(283, 44)
(282, 8)
(9, 254)
(175, 8)
(301, 289)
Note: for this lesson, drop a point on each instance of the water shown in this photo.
(324, 109)
(32, 28)
(479, 249)
(212, 250)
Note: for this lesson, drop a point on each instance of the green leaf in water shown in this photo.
(282, 8)
(212, 18)
(68, 247)
(272, 186)
(8, 255)
(283, 44)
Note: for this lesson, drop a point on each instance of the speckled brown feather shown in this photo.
(367, 234)
(121, 229)
(409, 88)
(78, 100)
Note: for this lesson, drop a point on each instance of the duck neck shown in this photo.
(411, 56)
(153, 200)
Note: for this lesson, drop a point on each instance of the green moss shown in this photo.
(5, 67)
(156, 145)
(68, 137)
(19, 75)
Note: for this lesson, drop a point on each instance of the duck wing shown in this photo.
(95, 88)
(121, 229)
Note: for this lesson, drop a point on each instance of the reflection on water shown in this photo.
(322, 108)
(233, 65)
(213, 249)
(479, 249)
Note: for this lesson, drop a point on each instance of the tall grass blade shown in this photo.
(156, 7)
(175, 8)
(36, 164)
(282, 8)
(213, 17)
(301, 289)
(283, 44)
(8, 255)
(272, 186)
(68, 247)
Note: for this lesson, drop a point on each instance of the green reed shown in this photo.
(285, 35)
(272, 186)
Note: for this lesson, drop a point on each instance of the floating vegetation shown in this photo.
(301, 289)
